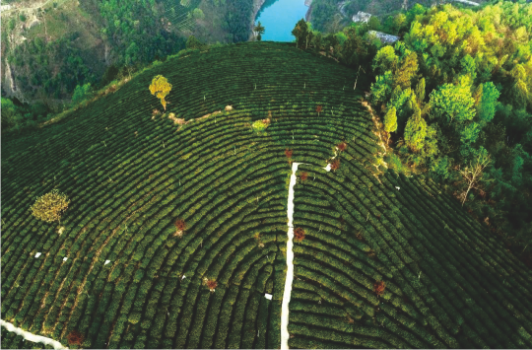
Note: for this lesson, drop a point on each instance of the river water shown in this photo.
(279, 17)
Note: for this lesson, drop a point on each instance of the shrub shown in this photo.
(335, 165)
(299, 234)
(75, 338)
(210, 283)
(50, 206)
(342, 146)
(180, 226)
(379, 287)
(288, 153)
(303, 176)
(259, 126)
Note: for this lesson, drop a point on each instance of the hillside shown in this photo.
(50, 47)
(130, 281)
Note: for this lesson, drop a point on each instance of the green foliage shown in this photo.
(259, 126)
(9, 113)
(385, 60)
(259, 30)
(390, 120)
(300, 32)
(415, 132)
(420, 90)
(469, 67)
(80, 93)
(453, 102)
(381, 90)
(52, 78)
(135, 31)
(198, 14)
(486, 109)
(194, 44)
(406, 71)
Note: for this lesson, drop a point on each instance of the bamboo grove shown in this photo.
(176, 226)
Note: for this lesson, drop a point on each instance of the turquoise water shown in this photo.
(280, 17)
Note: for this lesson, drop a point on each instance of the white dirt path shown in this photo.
(32, 337)
(290, 257)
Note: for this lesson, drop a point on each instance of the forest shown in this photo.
(455, 97)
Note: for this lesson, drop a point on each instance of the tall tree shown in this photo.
(300, 32)
(390, 121)
(160, 88)
(420, 90)
(259, 30)
(407, 71)
(473, 172)
(453, 102)
(416, 131)
(385, 60)
(488, 101)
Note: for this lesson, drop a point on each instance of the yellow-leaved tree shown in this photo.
(160, 88)
(50, 206)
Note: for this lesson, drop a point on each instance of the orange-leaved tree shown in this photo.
(160, 88)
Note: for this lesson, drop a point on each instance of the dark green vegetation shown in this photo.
(135, 180)
(461, 85)
(63, 43)
(455, 98)
(13, 341)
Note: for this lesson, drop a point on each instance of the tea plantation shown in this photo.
(385, 261)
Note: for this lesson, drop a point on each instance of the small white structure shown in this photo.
(398, 188)
(65, 258)
(467, 2)
(38, 255)
(385, 38)
(361, 17)
(268, 296)
(107, 262)
(182, 278)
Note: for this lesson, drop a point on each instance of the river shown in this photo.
(279, 17)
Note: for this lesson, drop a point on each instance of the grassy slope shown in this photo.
(131, 175)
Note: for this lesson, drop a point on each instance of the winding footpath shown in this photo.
(32, 337)
(290, 258)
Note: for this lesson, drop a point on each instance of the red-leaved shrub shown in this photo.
(299, 234)
(75, 338)
(210, 283)
(342, 146)
(303, 176)
(379, 287)
(288, 153)
(335, 165)
(180, 225)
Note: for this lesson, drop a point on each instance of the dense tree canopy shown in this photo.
(460, 83)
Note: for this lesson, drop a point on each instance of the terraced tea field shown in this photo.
(131, 280)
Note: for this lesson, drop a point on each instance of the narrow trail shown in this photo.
(290, 257)
(32, 337)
